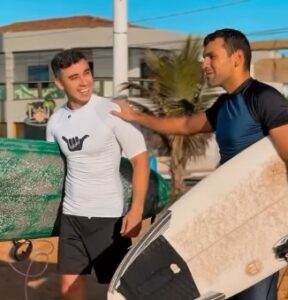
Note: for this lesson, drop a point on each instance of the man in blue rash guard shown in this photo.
(248, 111)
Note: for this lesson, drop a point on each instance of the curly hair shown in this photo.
(65, 59)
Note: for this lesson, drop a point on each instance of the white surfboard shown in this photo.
(218, 239)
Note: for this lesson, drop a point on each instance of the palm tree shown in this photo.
(176, 91)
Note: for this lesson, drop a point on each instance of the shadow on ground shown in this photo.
(43, 287)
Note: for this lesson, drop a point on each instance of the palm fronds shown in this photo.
(176, 91)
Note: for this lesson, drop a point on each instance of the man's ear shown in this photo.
(238, 58)
(58, 83)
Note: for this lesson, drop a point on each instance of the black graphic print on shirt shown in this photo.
(75, 143)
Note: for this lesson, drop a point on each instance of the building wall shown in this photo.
(38, 47)
(2, 68)
(87, 38)
(274, 70)
(259, 55)
(34, 48)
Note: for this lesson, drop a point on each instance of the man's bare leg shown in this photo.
(73, 287)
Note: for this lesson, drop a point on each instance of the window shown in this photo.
(38, 73)
(145, 72)
(91, 66)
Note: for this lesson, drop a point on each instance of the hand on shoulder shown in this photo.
(125, 112)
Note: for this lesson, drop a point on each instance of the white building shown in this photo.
(26, 49)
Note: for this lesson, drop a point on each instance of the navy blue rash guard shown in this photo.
(245, 116)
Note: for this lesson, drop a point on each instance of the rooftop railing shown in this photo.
(47, 89)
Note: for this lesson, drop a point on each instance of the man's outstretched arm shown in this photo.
(186, 125)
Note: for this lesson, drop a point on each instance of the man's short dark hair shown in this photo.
(233, 40)
(65, 59)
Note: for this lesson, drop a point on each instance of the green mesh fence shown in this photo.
(31, 188)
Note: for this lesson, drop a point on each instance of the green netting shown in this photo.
(31, 188)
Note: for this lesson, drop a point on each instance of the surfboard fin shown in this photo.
(212, 296)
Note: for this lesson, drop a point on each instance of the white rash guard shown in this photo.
(92, 141)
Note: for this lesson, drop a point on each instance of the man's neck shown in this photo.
(230, 87)
(72, 104)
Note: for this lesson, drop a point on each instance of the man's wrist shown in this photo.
(137, 209)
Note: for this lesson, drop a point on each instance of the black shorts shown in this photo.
(88, 244)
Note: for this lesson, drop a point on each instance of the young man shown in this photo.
(95, 227)
(248, 111)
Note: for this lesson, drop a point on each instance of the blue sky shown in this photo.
(253, 17)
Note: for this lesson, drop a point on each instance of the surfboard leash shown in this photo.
(21, 255)
(21, 249)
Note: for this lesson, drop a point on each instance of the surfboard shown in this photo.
(218, 239)
(31, 188)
